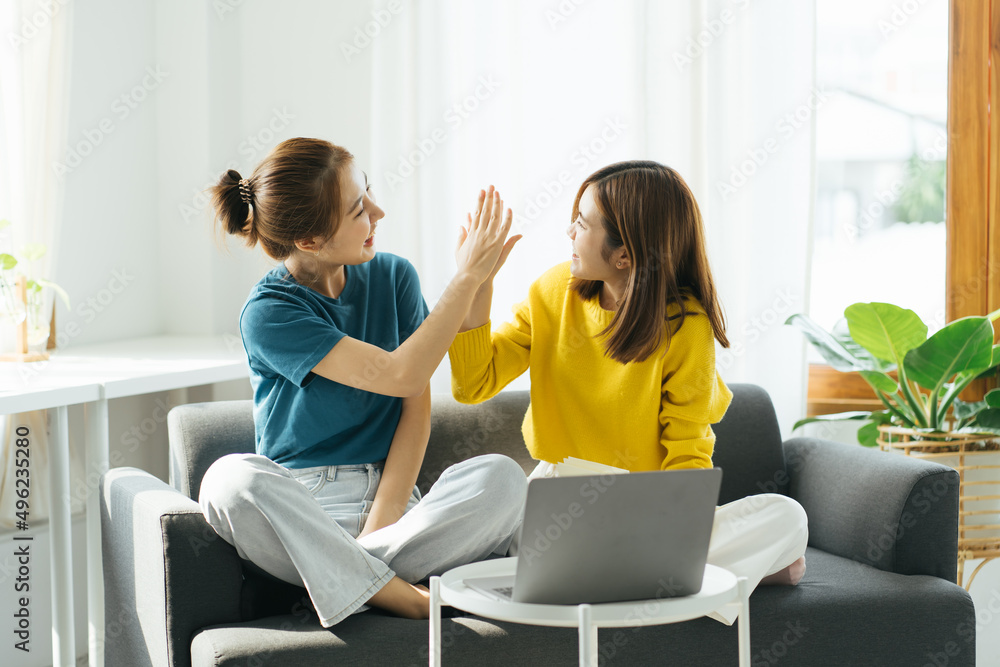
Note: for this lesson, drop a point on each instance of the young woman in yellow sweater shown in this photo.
(620, 346)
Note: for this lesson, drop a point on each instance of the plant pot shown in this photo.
(977, 460)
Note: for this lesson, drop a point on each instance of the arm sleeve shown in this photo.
(693, 396)
(411, 307)
(284, 336)
(483, 363)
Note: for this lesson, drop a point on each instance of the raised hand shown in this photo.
(482, 247)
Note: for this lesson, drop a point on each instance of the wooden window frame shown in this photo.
(972, 283)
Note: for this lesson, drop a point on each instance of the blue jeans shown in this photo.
(301, 525)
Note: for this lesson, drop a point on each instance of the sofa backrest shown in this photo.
(748, 446)
(200, 433)
(748, 442)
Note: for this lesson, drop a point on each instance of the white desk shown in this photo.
(719, 588)
(91, 375)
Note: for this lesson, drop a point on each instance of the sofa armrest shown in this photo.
(167, 573)
(893, 512)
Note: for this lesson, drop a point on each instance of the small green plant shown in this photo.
(923, 195)
(930, 372)
(12, 310)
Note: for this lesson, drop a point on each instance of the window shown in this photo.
(972, 198)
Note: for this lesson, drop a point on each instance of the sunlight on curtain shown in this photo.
(34, 104)
(534, 97)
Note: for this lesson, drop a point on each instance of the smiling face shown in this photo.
(589, 238)
(354, 241)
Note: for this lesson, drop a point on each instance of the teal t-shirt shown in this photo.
(303, 419)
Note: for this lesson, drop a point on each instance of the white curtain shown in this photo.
(533, 97)
(34, 105)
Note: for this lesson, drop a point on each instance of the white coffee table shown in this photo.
(719, 588)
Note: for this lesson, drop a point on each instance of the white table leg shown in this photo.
(97, 463)
(63, 639)
(434, 644)
(744, 622)
(588, 637)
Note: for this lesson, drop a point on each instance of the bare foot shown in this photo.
(789, 576)
(403, 599)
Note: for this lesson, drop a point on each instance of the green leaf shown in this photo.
(868, 434)
(33, 251)
(58, 290)
(885, 330)
(4, 223)
(880, 382)
(976, 430)
(843, 334)
(33, 286)
(992, 398)
(965, 410)
(840, 416)
(7, 262)
(965, 345)
(833, 351)
(988, 419)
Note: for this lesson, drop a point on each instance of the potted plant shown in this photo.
(918, 380)
(13, 308)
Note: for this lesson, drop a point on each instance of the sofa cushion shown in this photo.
(842, 613)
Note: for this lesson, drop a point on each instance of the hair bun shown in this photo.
(235, 175)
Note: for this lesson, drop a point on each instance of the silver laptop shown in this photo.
(611, 538)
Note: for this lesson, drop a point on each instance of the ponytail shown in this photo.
(293, 194)
(232, 199)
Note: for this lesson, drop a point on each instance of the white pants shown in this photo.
(301, 525)
(752, 537)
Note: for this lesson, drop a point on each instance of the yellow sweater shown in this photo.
(649, 415)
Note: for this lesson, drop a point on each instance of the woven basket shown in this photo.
(977, 460)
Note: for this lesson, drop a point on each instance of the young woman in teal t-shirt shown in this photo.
(340, 356)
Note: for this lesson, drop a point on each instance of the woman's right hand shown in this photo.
(480, 246)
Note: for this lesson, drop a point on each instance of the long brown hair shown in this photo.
(294, 194)
(648, 208)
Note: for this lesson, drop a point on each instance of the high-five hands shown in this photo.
(483, 246)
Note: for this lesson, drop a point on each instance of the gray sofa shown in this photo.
(879, 587)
